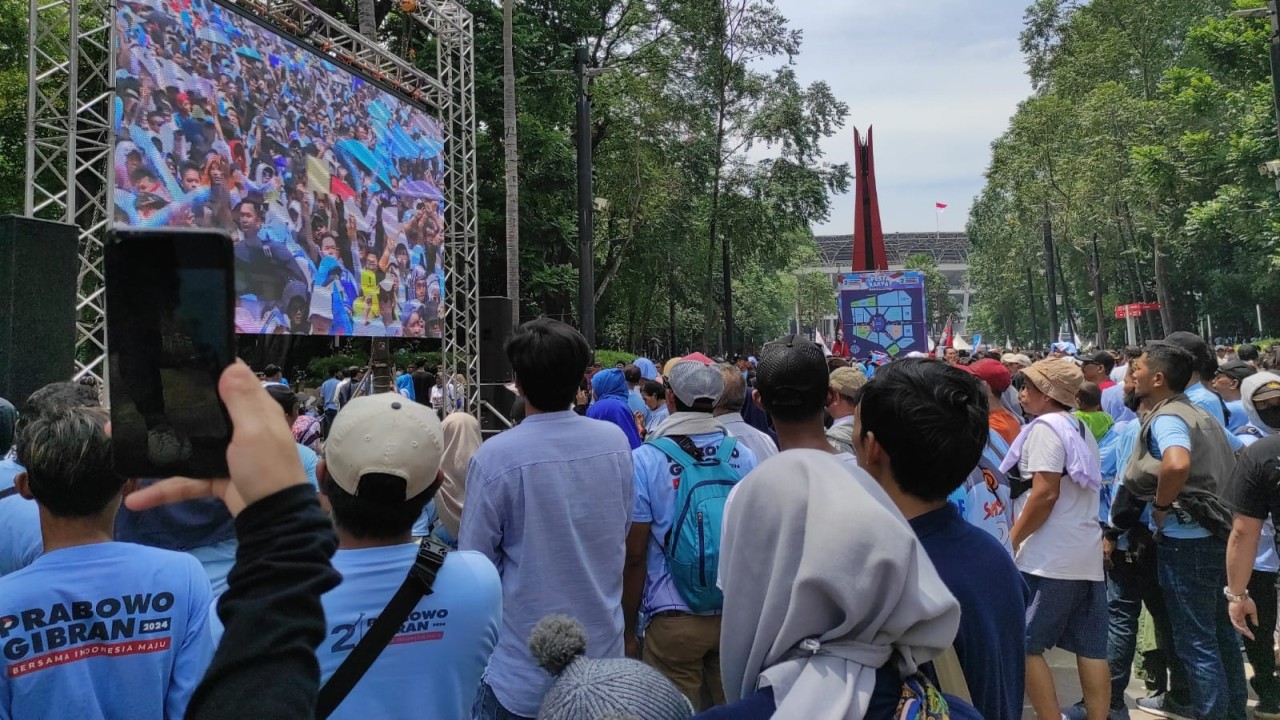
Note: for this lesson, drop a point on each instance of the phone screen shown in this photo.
(170, 306)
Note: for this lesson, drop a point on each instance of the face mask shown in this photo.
(1270, 417)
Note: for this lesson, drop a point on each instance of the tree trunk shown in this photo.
(367, 17)
(1162, 288)
(1099, 312)
(509, 148)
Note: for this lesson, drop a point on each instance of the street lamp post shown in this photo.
(1272, 12)
(586, 228)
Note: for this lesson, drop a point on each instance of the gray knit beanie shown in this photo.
(587, 689)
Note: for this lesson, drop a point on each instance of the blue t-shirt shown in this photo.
(1205, 398)
(655, 418)
(404, 385)
(329, 393)
(1239, 417)
(1168, 432)
(655, 499)
(111, 630)
(309, 460)
(20, 539)
(979, 572)
(432, 667)
(984, 498)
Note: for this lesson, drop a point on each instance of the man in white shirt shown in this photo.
(1057, 540)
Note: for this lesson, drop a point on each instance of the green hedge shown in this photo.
(321, 368)
(610, 358)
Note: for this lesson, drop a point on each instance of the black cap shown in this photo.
(792, 373)
(1101, 357)
(1237, 370)
(1205, 360)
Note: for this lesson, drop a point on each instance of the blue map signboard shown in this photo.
(883, 312)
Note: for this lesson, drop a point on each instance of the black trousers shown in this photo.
(1261, 650)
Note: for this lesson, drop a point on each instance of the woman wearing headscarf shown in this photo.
(831, 606)
(610, 389)
(461, 440)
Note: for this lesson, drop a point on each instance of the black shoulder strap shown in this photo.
(422, 576)
(687, 445)
(8, 492)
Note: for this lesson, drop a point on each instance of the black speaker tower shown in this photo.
(38, 267)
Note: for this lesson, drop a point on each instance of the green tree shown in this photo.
(1140, 147)
(939, 305)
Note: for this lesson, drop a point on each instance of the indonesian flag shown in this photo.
(940, 207)
(948, 340)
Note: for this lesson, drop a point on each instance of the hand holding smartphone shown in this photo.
(170, 334)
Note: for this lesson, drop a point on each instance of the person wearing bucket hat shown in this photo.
(586, 689)
(1056, 538)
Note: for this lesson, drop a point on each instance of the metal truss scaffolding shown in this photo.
(69, 168)
(69, 145)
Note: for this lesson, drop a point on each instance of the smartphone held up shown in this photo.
(170, 297)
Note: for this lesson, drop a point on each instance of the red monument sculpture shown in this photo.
(868, 237)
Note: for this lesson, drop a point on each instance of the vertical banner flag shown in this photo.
(883, 312)
(817, 337)
(948, 340)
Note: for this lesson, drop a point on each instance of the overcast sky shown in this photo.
(939, 80)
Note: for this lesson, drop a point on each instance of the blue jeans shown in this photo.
(1132, 583)
(1192, 574)
(487, 706)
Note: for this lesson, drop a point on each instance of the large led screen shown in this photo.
(330, 185)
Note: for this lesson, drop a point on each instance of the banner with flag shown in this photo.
(940, 207)
(977, 341)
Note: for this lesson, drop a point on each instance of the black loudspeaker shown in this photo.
(495, 328)
(501, 401)
(38, 266)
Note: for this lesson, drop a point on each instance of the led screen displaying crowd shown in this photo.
(329, 185)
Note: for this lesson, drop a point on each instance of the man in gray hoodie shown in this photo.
(1254, 495)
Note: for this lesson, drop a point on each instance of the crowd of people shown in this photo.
(329, 186)
(771, 535)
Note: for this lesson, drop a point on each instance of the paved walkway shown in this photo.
(1067, 680)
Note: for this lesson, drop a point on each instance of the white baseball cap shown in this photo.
(385, 434)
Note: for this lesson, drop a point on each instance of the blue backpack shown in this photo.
(692, 545)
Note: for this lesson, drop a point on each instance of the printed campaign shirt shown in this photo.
(656, 478)
(983, 498)
(111, 630)
(432, 667)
